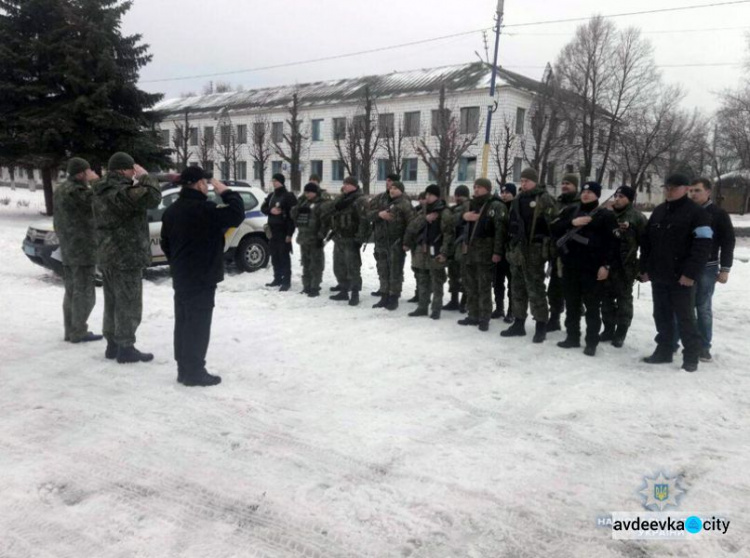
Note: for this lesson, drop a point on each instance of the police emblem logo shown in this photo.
(492, 212)
(661, 492)
(532, 204)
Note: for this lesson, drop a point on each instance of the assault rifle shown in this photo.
(572, 234)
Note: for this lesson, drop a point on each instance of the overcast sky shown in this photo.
(194, 37)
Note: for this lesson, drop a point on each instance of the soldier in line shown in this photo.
(377, 204)
(309, 216)
(675, 249)
(278, 205)
(587, 252)
(568, 196)
(431, 239)
(393, 215)
(351, 227)
(483, 247)
(74, 225)
(617, 304)
(502, 268)
(120, 203)
(418, 210)
(531, 213)
(192, 238)
(461, 197)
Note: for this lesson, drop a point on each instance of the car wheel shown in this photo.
(252, 254)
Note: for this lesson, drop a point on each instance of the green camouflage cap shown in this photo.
(77, 165)
(120, 161)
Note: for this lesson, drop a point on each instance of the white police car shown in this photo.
(245, 245)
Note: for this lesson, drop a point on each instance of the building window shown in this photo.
(317, 130)
(193, 136)
(277, 132)
(437, 125)
(224, 169)
(208, 135)
(256, 171)
(469, 120)
(409, 170)
(385, 125)
(260, 131)
(225, 134)
(337, 170)
(240, 173)
(275, 167)
(241, 133)
(165, 137)
(384, 168)
(467, 169)
(520, 121)
(339, 129)
(30, 173)
(316, 167)
(411, 124)
(517, 163)
(432, 171)
(209, 166)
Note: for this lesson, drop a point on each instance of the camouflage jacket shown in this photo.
(487, 236)
(630, 239)
(531, 214)
(428, 240)
(348, 218)
(309, 217)
(387, 233)
(120, 205)
(74, 223)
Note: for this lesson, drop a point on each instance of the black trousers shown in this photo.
(502, 272)
(281, 259)
(581, 289)
(672, 300)
(193, 312)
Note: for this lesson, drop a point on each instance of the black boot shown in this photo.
(660, 356)
(378, 293)
(462, 304)
(88, 338)
(304, 291)
(354, 299)
(608, 334)
(435, 314)
(111, 351)
(342, 295)
(570, 342)
(417, 313)
(391, 302)
(554, 322)
(618, 340)
(590, 350)
(415, 298)
(131, 354)
(274, 283)
(312, 293)
(509, 319)
(452, 306)
(468, 321)
(336, 288)
(499, 312)
(690, 366)
(201, 379)
(381, 303)
(285, 287)
(518, 329)
(541, 332)
(484, 325)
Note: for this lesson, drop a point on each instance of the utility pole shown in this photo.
(492, 107)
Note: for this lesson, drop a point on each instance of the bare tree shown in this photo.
(393, 145)
(504, 142)
(227, 146)
(346, 142)
(205, 152)
(295, 140)
(368, 138)
(181, 141)
(223, 87)
(442, 153)
(260, 148)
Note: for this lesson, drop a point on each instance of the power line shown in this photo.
(653, 32)
(430, 40)
(695, 65)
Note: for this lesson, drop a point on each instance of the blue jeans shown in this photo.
(704, 292)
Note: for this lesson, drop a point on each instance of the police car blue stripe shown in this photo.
(703, 232)
(251, 214)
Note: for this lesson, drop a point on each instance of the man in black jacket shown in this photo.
(674, 253)
(587, 254)
(723, 243)
(278, 206)
(192, 238)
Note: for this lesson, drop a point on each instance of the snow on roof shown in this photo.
(463, 77)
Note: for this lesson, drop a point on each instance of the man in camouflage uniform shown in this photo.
(309, 217)
(617, 304)
(502, 268)
(377, 204)
(418, 210)
(568, 196)
(432, 239)
(531, 214)
(351, 228)
(455, 265)
(483, 247)
(393, 214)
(74, 225)
(124, 249)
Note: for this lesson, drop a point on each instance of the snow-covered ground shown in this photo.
(349, 432)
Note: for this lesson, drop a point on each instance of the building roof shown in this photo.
(463, 77)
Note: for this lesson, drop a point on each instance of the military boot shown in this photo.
(499, 312)
(378, 293)
(415, 298)
(304, 291)
(452, 306)
(131, 354)
(336, 288)
(354, 299)
(554, 322)
(541, 332)
(88, 338)
(285, 287)
(608, 334)
(111, 351)
(570, 342)
(462, 304)
(312, 293)
(201, 379)
(518, 329)
(342, 295)
(590, 350)
(660, 356)
(509, 319)
(391, 302)
(484, 325)
(435, 314)
(690, 366)
(382, 302)
(468, 321)
(417, 313)
(274, 283)
(618, 340)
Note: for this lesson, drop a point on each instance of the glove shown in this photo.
(320, 243)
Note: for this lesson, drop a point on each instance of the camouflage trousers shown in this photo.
(339, 266)
(477, 281)
(313, 260)
(455, 272)
(79, 300)
(123, 304)
(617, 303)
(389, 261)
(430, 285)
(527, 270)
(351, 264)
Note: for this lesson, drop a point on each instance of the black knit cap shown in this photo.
(312, 187)
(462, 191)
(351, 181)
(626, 191)
(191, 175)
(508, 188)
(279, 177)
(593, 187)
(393, 177)
(433, 189)
(677, 179)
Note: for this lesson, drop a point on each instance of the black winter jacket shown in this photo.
(677, 242)
(281, 225)
(601, 249)
(723, 241)
(192, 237)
